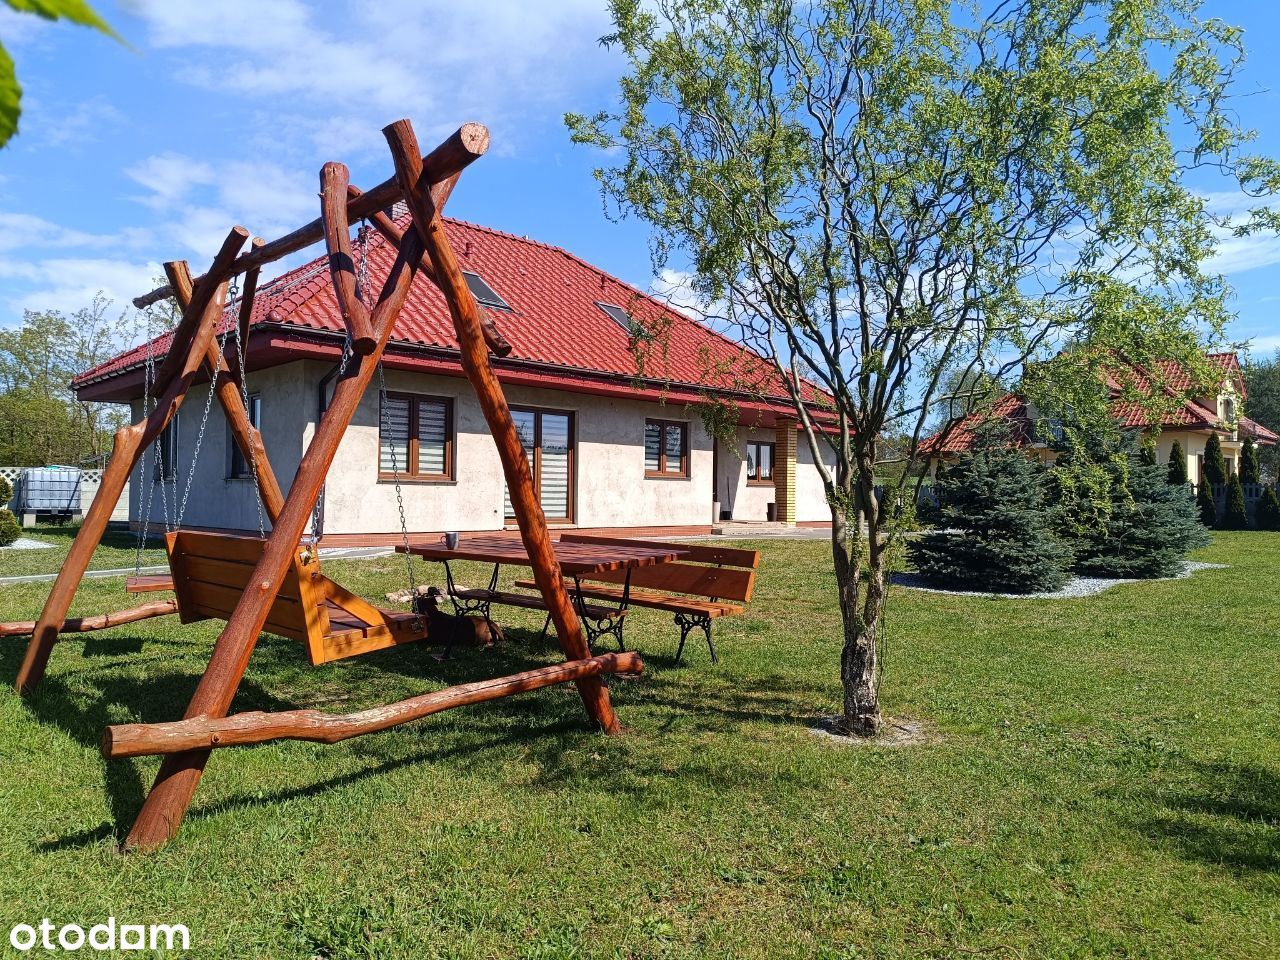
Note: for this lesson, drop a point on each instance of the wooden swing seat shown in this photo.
(210, 572)
(149, 583)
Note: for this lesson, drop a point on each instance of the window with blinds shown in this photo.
(666, 448)
(238, 468)
(415, 438)
(547, 438)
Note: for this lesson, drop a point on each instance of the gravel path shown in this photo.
(1076, 586)
(26, 543)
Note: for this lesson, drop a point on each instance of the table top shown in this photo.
(574, 558)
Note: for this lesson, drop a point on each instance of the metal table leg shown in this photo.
(611, 626)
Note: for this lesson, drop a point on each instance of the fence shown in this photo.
(1252, 494)
(90, 481)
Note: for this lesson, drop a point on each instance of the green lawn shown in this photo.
(118, 551)
(1104, 781)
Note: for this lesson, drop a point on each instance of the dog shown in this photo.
(449, 629)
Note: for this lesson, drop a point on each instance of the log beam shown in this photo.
(334, 181)
(246, 729)
(414, 185)
(160, 608)
(464, 147)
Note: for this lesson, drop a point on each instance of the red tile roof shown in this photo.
(554, 322)
(1174, 378)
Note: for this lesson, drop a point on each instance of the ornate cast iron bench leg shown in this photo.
(608, 626)
(688, 622)
(463, 606)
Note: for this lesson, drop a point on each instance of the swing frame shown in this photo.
(424, 183)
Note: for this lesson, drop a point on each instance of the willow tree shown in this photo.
(876, 194)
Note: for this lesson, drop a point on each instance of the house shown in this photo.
(608, 388)
(1190, 417)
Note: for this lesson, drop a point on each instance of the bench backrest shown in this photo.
(211, 570)
(722, 573)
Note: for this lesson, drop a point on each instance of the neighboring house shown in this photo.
(606, 386)
(1190, 420)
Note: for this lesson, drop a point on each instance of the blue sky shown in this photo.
(223, 112)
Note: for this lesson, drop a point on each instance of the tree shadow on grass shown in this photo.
(1226, 816)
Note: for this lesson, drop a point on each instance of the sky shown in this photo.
(219, 112)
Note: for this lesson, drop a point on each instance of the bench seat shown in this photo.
(531, 601)
(671, 603)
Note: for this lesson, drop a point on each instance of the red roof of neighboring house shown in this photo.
(555, 324)
(1174, 378)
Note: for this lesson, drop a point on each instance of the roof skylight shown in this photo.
(484, 294)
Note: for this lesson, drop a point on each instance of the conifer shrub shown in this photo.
(993, 530)
(1250, 469)
(1177, 464)
(1214, 471)
(1267, 512)
(1235, 516)
(9, 529)
(6, 491)
(1205, 504)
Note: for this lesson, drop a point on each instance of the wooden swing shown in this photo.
(271, 582)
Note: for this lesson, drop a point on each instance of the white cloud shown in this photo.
(1238, 254)
(67, 284)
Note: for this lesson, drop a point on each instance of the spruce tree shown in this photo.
(993, 532)
(1177, 464)
(1152, 525)
(1235, 516)
(1214, 471)
(1267, 512)
(1204, 503)
(1250, 471)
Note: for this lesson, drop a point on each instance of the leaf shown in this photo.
(77, 11)
(10, 97)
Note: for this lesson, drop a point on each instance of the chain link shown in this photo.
(404, 526)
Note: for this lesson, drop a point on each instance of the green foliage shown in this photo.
(1214, 467)
(1235, 515)
(1267, 511)
(1262, 380)
(1206, 505)
(994, 498)
(1151, 527)
(76, 11)
(9, 529)
(1177, 464)
(1250, 470)
(1092, 459)
(6, 490)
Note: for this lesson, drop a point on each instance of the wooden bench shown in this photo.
(705, 584)
(211, 570)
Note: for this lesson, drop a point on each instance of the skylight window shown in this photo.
(484, 294)
(623, 319)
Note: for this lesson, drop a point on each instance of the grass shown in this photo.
(1102, 780)
(118, 551)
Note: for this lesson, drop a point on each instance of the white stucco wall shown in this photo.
(751, 502)
(611, 489)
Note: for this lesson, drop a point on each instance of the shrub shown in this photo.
(994, 532)
(1267, 512)
(1177, 464)
(1234, 514)
(1204, 503)
(1215, 465)
(9, 529)
(1250, 470)
(6, 491)
(1152, 525)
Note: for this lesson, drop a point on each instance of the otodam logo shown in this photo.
(109, 935)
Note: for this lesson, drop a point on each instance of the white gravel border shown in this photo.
(26, 543)
(1075, 587)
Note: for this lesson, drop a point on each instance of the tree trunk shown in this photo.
(860, 616)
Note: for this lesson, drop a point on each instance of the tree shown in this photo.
(1262, 380)
(9, 529)
(1177, 464)
(1267, 512)
(1235, 515)
(41, 420)
(1150, 528)
(1250, 470)
(1213, 470)
(77, 11)
(875, 194)
(992, 527)
(1206, 505)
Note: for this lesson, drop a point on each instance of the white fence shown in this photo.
(90, 480)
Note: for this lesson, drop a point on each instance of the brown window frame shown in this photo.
(572, 492)
(450, 436)
(661, 473)
(753, 480)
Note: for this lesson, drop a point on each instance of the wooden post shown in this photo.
(188, 350)
(475, 363)
(334, 180)
(179, 775)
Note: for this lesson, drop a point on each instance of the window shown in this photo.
(623, 319)
(237, 468)
(415, 438)
(547, 438)
(759, 462)
(166, 467)
(666, 448)
(484, 294)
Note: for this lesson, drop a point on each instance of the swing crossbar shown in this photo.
(211, 571)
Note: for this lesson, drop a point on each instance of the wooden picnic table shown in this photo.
(576, 560)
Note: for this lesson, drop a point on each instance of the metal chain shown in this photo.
(404, 526)
(145, 483)
(204, 422)
(244, 396)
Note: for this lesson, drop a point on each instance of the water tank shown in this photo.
(50, 490)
